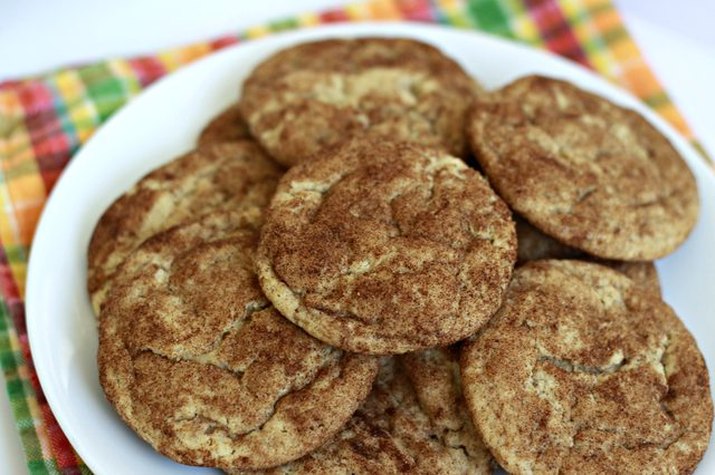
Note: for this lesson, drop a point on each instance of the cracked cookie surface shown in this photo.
(580, 371)
(197, 362)
(594, 175)
(316, 94)
(533, 245)
(414, 421)
(228, 126)
(386, 248)
(237, 175)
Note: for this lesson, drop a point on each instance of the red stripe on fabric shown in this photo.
(51, 146)
(333, 16)
(35, 97)
(223, 42)
(147, 69)
(7, 281)
(16, 309)
(416, 10)
(555, 30)
(10, 85)
(50, 177)
(17, 312)
(60, 446)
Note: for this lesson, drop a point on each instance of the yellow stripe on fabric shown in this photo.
(522, 25)
(358, 11)
(81, 110)
(121, 69)
(22, 191)
(308, 19)
(455, 13)
(257, 31)
(175, 58)
(590, 36)
(635, 74)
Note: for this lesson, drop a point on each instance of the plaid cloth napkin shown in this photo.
(44, 120)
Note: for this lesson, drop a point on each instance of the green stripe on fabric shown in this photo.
(284, 24)
(121, 69)
(701, 150)
(606, 6)
(490, 16)
(657, 100)
(20, 169)
(458, 20)
(594, 43)
(519, 15)
(104, 90)
(19, 392)
(615, 34)
(61, 108)
(42, 467)
(457, 17)
(16, 253)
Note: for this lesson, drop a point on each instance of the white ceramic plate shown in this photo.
(164, 122)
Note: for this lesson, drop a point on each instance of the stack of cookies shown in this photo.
(324, 285)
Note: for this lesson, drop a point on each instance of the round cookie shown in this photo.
(403, 428)
(593, 175)
(386, 248)
(316, 94)
(228, 126)
(533, 245)
(580, 371)
(643, 274)
(236, 175)
(197, 362)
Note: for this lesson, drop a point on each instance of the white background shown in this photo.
(36, 35)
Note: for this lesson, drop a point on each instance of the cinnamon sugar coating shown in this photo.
(594, 175)
(197, 362)
(228, 126)
(386, 248)
(236, 175)
(317, 94)
(581, 371)
(414, 421)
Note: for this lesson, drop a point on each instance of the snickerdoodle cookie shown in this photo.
(580, 371)
(235, 175)
(316, 94)
(533, 245)
(197, 362)
(594, 175)
(386, 247)
(228, 126)
(413, 421)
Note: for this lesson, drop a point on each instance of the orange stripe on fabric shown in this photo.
(22, 191)
(384, 10)
(606, 20)
(636, 75)
(176, 58)
(640, 80)
(28, 197)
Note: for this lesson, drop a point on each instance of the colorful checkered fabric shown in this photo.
(44, 120)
